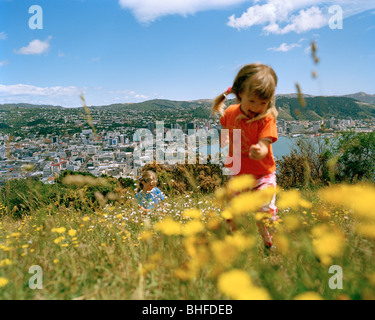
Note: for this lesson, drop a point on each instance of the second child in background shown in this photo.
(149, 197)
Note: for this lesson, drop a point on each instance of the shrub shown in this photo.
(353, 157)
(182, 178)
(305, 166)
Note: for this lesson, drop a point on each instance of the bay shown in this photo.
(281, 147)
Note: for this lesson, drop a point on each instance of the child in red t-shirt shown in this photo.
(255, 115)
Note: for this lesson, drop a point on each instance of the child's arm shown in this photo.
(260, 150)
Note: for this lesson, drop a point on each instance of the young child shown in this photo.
(150, 197)
(255, 115)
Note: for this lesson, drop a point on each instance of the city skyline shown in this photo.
(121, 51)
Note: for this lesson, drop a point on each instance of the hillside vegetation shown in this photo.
(356, 106)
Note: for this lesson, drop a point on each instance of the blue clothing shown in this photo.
(150, 200)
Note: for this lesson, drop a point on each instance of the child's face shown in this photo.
(252, 105)
(149, 184)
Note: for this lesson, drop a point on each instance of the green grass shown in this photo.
(115, 253)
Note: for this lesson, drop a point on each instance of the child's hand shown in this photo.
(259, 151)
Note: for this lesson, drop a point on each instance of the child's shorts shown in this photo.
(263, 182)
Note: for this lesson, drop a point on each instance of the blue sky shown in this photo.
(119, 51)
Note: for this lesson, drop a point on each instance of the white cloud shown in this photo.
(3, 35)
(312, 18)
(284, 16)
(4, 63)
(29, 90)
(35, 47)
(147, 11)
(129, 94)
(285, 47)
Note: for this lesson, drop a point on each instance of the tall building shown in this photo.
(151, 127)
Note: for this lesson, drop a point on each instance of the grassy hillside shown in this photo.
(318, 108)
(187, 250)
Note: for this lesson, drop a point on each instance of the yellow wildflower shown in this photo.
(146, 235)
(291, 222)
(192, 227)
(254, 293)
(281, 243)
(58, 230)
(3, 282)
(72, 232)
(213, 223)
(241, 183)
(240, 241)
(366, 230)
(58, 240)
(187, 272)
(189, 244)
(329, 243)
(169, 227)
(5, 262)
(309, 295)
(184, 274)
(356, 197)
(220, 194)
(236, 284)
(192, 213)
(15, 234)
(225, 253)
(292, 199)
(251, 201)
(227, 214)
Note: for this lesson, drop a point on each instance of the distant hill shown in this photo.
(318, 108)
(363, 97)
(158, 104)
(356, 106)
(27, 106)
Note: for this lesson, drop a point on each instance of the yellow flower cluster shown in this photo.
(2, 208)
(241, 183)
(5, 262)
(360, 199)
(328, 243)
(3, 282)
(292, 199)
(59, 230)
(227, 251)
(169, 227)
(237, 284)
(309, 295)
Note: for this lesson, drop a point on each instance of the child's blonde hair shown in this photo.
(255, 78)
(147, 176)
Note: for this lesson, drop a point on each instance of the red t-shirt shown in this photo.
(251, 133)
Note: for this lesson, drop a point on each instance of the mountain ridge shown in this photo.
(358, 105)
